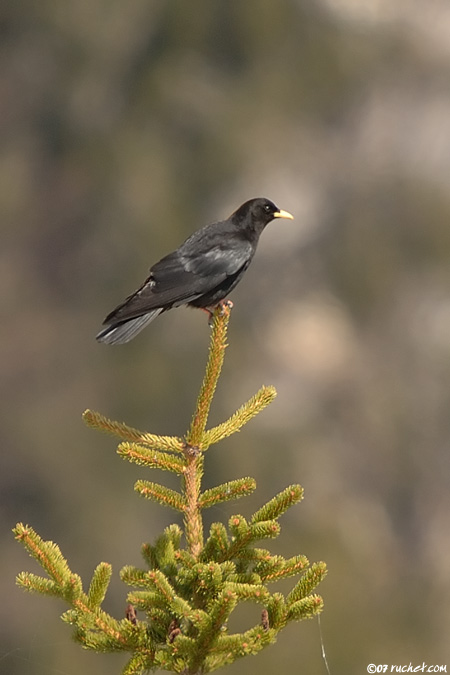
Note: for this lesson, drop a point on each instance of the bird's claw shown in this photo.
(224, 305)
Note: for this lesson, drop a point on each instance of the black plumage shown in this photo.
(200, 273)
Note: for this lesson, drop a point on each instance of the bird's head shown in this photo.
(257, 213)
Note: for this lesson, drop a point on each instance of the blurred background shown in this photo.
(126, 126)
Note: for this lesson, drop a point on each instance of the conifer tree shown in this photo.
(177, 612)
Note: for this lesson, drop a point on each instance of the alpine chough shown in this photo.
(200, 273)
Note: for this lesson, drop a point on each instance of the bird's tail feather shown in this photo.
(119, 333)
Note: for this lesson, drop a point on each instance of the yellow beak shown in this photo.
(283, 214)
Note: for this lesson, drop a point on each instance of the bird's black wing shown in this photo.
(203, 262)
(216, 253)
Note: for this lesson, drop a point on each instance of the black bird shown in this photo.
(200, 273)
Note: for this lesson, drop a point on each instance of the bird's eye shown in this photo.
(267, 208)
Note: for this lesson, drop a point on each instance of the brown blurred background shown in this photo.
(124, 127)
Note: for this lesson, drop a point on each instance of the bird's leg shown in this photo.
(209, 313)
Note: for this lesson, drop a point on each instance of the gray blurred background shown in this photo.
(124, 127)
